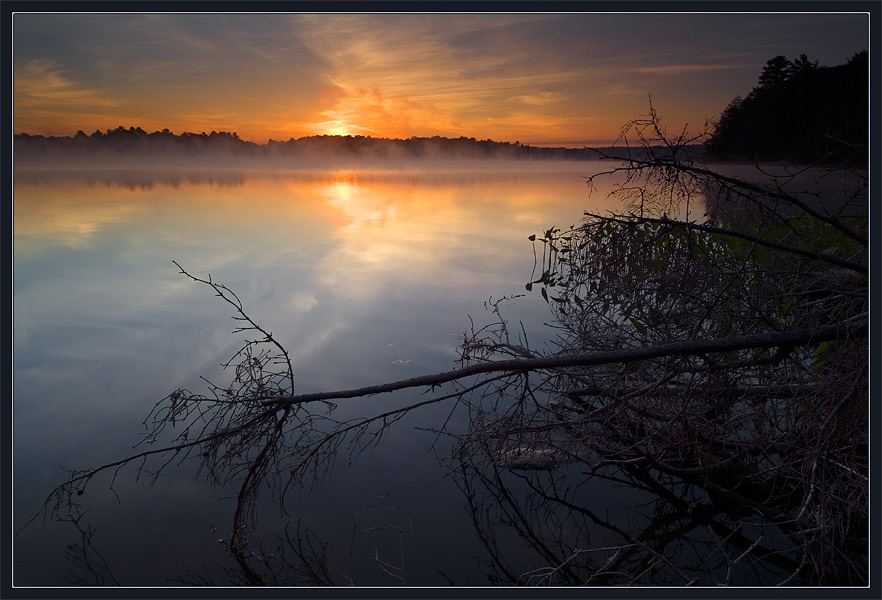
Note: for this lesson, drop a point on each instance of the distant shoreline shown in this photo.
(124, 145)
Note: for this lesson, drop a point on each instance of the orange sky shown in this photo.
(571, 79)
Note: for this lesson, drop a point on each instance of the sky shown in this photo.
(568, 79)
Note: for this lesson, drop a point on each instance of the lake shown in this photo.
(365, 276)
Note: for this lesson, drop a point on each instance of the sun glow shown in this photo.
(337, 128)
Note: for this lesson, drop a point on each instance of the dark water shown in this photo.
(364, 276)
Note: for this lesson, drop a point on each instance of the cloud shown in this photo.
(540, 99)
(303, 302)
(352, 111)
(40, 82)
(685, 68)
(388, 76)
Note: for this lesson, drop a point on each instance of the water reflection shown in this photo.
(129, 178)
(581, 538)
(365, 276)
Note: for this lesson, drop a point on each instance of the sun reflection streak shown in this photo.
(364, 232)
(315, 254)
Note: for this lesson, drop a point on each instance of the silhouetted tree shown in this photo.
(775, 73)
(798, 112)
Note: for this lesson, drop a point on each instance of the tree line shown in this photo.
(136, 140)
(798, 111)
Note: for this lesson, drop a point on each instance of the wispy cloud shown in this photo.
(540, 99)
(40, 82)
(687, 68)
(389, 76)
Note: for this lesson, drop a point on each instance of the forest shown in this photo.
(798, 112)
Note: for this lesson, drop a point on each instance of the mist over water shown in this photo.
(133, 147)
(364, 275)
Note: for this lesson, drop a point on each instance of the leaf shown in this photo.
(822, 347)
(835, 310)
(544, 294)
(640, 326)
(820, 355)
(532, 238)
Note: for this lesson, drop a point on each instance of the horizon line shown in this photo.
(568, 144)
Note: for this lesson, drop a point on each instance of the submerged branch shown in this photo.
(522, 365)
(857, 328)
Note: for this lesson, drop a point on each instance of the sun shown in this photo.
(337, 128)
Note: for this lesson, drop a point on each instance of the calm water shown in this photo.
(365, 276)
